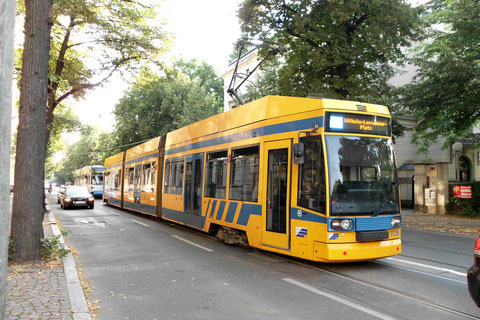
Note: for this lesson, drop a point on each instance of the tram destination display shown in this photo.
(357, 123)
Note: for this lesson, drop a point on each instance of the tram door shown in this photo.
(275, 218)
(193, 190)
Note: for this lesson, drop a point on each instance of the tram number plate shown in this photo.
(394, 233)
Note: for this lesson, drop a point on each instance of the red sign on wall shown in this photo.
(463, 192)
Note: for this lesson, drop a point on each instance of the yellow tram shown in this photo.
(309, 178)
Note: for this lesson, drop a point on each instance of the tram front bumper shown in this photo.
(357, 251)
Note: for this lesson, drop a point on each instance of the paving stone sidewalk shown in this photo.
(37, 291)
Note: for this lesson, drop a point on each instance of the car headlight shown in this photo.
(342, 224)
(396, 221)
(67, 199)
(91, 199)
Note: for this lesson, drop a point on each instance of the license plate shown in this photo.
(79, 202)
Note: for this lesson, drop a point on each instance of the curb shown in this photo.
(78, 303)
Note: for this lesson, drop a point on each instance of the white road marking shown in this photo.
(427, 266)
(192, 243)
(338, 299)
(88, 221)
(143, 224)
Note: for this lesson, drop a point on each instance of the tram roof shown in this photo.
(268, 107)
(144, 148)
(115, 159)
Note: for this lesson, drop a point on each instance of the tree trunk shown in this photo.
(27, 213)
(7, 21)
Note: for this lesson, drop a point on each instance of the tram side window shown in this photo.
(244, 174)
(176, 176)
(117, 180)
(153, 173)
(129, 178)
(216, 175)
(167, 176)
(311, 176)
(146, 182)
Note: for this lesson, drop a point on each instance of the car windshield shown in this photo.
(77, 191)
(362, 176)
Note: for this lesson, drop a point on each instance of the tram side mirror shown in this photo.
(299, 153)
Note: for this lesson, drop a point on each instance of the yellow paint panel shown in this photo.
(113, 160)
(249, 113)
(344, 252)
(142, 149)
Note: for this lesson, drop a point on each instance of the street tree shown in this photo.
(7, 21)
(445, 95)
(93, 39)
(27, 211)
(334, 49)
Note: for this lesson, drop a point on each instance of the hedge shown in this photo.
(464, 207)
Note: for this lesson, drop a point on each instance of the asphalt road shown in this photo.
(145, 269)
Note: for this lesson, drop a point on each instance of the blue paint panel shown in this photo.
(258, 132)
(247, 210)
(180, 216)
(214, 205)
(145, 158)
(140, 207)
(114, 202)
(117, 166)
(307, 216)
(232, 208)
(221, 208)
(374, 223)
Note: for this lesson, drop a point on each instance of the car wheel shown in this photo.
(91, 207)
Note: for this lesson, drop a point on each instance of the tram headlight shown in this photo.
(341, 224)
(396, 221)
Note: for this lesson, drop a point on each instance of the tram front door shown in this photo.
(275, 218)
(193, 190)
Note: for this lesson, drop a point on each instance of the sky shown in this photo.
(202, 30)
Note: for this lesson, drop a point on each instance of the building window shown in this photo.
(464, 164)
(244, 174)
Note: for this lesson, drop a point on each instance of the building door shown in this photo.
(276, 206)
(193, 190)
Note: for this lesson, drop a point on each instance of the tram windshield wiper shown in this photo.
(387, 199)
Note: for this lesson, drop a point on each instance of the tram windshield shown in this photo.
(97, 178)
(362, 176)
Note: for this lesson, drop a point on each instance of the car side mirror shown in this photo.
(299, 153)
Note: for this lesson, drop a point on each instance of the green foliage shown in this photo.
(335, 49)
(53, 248)
(445, 96)
(11, 248)
(465, 207)
(190, 92)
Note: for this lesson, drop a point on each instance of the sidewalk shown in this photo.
(467, 227)
(46, 290)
